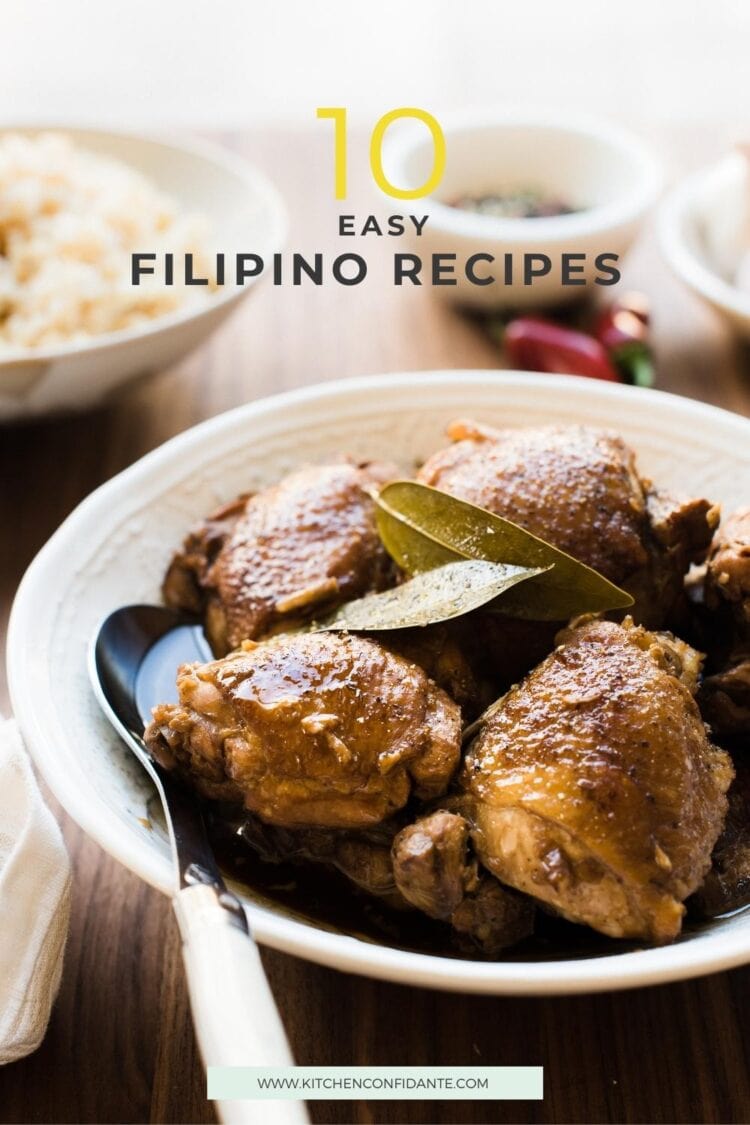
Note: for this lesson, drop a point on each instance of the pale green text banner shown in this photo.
(376, 1083)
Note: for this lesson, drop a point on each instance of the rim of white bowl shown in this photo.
(677, 208)
(618, 211)
(707, 953)
(258, 183)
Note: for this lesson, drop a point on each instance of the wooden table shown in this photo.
(120, 1045)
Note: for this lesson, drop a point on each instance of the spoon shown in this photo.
(133, 661)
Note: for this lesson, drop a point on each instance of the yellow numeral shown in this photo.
(376, 154)
(338, 115)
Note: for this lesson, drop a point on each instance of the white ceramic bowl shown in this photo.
(245, 213)
(700, 224)
(605, 171)
(113, 549)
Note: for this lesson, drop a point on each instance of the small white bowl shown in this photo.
(245, 213)
(699, 227)
(114, 548)
(592, 165)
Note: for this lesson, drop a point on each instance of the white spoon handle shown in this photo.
(234, 1012)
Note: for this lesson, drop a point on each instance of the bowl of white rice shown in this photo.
(76, 205)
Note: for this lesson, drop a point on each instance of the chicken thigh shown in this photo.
(593, 786)
(310, 729)
(276, 558)
(579, 489)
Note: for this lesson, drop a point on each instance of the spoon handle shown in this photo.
(234, 1012)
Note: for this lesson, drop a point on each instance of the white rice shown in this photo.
(69, 220)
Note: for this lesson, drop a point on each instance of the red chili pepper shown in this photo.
(534, 344)
(623, 330)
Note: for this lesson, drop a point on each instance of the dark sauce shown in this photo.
(321, 895)
(318, 894)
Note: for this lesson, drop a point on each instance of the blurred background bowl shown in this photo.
(700, 229)
(608, 175)
(245, 213)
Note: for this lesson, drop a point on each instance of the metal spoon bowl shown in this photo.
(133, 660)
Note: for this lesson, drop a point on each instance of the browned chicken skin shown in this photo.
(593, 786)
(270, 560)
(579, 489)
(316, 729)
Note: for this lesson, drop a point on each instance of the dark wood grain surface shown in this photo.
(120, 1046)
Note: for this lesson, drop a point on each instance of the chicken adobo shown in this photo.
(483, 773)
(579, 489)
(267, 561)
(311, 729)
(593, 787)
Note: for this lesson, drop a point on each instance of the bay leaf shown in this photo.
(431, 596)
(422, 528)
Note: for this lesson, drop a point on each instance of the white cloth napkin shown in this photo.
(35, 887)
